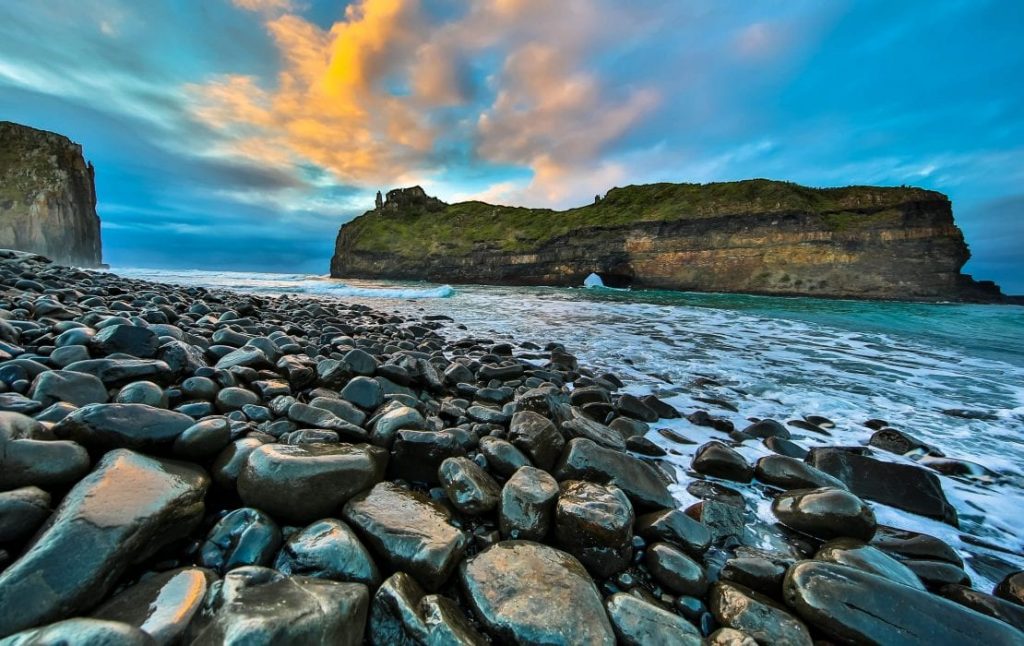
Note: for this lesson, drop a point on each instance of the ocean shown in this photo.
(951, 375)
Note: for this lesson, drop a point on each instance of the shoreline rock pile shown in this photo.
(179, 465)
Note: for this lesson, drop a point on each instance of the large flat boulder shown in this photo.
(125, 510)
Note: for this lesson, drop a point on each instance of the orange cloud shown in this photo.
(335, 104)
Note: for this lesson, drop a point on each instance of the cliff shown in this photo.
(755, 236)
(47, 196)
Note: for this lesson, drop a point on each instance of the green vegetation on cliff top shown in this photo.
(414, 229)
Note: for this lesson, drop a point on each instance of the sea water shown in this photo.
(952, 375)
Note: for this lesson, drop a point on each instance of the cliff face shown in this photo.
(756, 236)
(47, 196)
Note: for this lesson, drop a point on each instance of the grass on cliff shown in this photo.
(459, 228)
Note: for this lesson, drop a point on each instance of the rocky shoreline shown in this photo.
(179, 465)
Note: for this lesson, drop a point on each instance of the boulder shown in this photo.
(675, 570)
(528, 593)
(740, 608)
(75, 388)
(850, 605)
(328, 549)
(639, 623)
(537, 437)
(527, 504)
(162, 605)
(903, 486)
(245, 536)
(790, 473)
(825, 513)
(675, 527)
(256, 606)
(718, 460)
(101, 427)
(594, 523)
(856, 554)
(584, 459)
(22, 511)
(395, 619)
(125, 510)
(126, 339)
(469, 488)
(118, 372)
(409, 531)
(303, 482)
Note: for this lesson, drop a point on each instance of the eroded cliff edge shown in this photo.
(47, 196)
(755, 236)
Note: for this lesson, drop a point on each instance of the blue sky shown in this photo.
(239, 134)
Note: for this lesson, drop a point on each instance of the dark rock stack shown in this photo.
(47, 196)
(185, 466)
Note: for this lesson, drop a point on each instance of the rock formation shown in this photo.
(755, 236)
(47, 196)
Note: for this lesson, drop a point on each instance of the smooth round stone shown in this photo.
(594, 523)
(1011, 588)
(387, 425)
(395, 617)
(502, 457)
(675, 570)
(790, 473)
(537, 437)
(360, 362)
(161, 605)
(760, 571)
(199, 388)
(75, 388)
(22, 512)
(230, 462)
(364, 392)
(126, 339)
(244, 536)
(234, 398)
(527, 504)
(67, 355)
(412, 533)
(417, 455)
(204, 439)
(132, 426)
(856, 554)
(765, 620)
(853, 606)
(825, 513)
(142, 392)
(675, 527)
(304, 482)
(986, 604)
(639, 623)
(935, 574)
(256, 605)
(469, 488)
(905, 544)
(328, 549)
(81, 631)
(528, 593)
(718, 460)
(767, 428)
(42, 463)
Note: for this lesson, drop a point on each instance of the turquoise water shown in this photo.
(951, 374)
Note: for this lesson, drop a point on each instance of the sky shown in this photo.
(239, 134)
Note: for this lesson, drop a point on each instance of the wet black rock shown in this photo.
(364, 392)
(902, 486)
(631, 406)
(906, 544)
(469, 488)
(986, 604)
(30, 457)
(851, 605)
(447, 624)
(75, 388)
(584, 459)
(764, 619)
(203, 439)
(22, 511)
(118, 372)
(594, 523)
(256, 605)
(409, 531)
(328, 549)
(1011, 588)
(537, 437)
(161, 605)
(785, 447)
(126, 339)
(675, 570)
(502, 457)
(758, 570)
(527, 504)
(767, 428)
(418, 455)
(639, 623)
(244, 536)
(139, 427)
(894, 441)
(142, 392)
(304, 482)
(936, 574)
(390, 422)
(584, 428)
(791, 473)
(675, 527)
(528, 593)
(125, 510)
(718, 460)
(230, 462)
(825, 513)
(395, 619)
(82, 631)
(857, 554)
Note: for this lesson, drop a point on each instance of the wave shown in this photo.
(342, 290)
